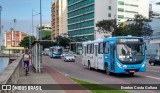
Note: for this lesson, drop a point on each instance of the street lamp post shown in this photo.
(33, 22)
(40, 36)
(0, 25)
(40, 54)
(14, 20)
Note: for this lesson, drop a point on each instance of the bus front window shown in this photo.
(128, 53)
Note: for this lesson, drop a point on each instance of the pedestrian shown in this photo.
(26, 59)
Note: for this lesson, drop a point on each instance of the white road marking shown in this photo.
(153, 77)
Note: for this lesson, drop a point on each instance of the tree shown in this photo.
(25, 41)
(106, 26)
(62, 41)
(46, 38)
(138, 27)
(49, 44)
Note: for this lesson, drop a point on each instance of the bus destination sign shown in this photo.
(124, 40)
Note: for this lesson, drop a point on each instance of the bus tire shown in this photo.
(89, 66)
(131, 74)
(106, 70)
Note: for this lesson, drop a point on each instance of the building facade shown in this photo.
(59, 18)
(13, 38)
(45, 31)
(84, 14)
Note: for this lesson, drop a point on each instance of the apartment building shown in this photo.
(84, 14)
(59, 18)
(13, 38)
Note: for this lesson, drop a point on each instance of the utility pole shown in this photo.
(0, 26)
(40, 54)
(14, 20)
(30, 39)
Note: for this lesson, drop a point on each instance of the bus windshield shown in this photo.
(57, 51)
(130, 53)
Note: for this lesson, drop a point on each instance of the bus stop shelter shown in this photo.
(37, 54)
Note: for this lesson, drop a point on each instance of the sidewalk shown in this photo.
(48, 76)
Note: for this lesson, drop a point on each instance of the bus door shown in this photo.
(100, 56)
(95, 56)
(84, 54)
(112, 56)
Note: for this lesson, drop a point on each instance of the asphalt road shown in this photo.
(77, 70)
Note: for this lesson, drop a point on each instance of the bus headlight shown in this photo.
(119, 65)
(144, 64)
(125, 66)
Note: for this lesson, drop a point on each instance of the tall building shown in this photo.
(84, 14)
(45, 31)
(59, 18)
(13, 38)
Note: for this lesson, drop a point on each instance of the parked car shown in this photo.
(154, 60)
(69, 57)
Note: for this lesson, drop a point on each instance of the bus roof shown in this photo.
(111, 38)
(88, 42)
(118, 37)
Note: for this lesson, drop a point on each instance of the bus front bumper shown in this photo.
(130, 68)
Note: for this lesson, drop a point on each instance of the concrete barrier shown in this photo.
(10, 74)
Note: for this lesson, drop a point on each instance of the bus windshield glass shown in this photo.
(57, 51)
(129, 52)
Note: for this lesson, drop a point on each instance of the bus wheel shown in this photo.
(106, 70)
(131, 74)
(89, 66)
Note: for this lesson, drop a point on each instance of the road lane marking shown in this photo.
(153, 70)
(153, 77)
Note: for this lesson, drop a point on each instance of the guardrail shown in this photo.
(10, 74)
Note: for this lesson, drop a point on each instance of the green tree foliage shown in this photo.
(46, 38)
(25, 41)
(137, 27)
(62, 41)
(106, 26)
(48, 44)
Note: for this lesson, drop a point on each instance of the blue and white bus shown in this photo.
(123, 54)
(56, 52)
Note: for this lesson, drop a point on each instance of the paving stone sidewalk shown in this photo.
(49, 75)
(37, 78)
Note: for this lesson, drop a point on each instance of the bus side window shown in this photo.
(88, 49)
(100, 48)
(106, 47)
(85, 50)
